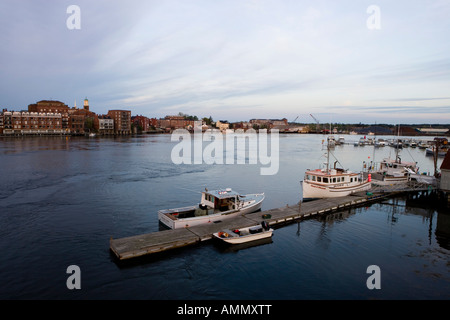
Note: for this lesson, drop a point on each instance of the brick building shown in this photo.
(141, 123)
(122, 121)
(15, 122)
(269, 123)
(49, 106)
(82, 121)
(175, 122)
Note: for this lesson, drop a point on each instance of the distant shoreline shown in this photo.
(46, 135)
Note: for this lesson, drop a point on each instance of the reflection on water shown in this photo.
(224, 247)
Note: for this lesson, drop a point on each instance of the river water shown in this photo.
(62, 199)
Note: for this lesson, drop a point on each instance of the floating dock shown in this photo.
(146, 244)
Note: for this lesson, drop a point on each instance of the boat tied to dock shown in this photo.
(332, 182)
(215, 206)
(244, 235)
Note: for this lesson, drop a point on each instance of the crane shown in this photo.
(317, 121)
(295, 119)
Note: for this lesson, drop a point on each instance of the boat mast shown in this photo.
(397, 146)
(328, 154)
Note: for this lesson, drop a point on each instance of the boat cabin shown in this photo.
(221, 200)
(391, 166)
(333, 176)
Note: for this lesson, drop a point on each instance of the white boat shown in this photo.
(244, 235)
(392, 171)
(380, 143)
(423, 145)
(323, 183)
(215, 205)
(332, 183)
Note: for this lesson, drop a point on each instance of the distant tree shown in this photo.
(89, 124)
(208, 121)
(187, 117)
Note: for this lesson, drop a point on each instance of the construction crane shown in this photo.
(295, 119)
(317, 121)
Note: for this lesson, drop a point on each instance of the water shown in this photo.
(61, 199)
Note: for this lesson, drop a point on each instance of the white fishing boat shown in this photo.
(332, 182)
(215, 205)
(324, 183)
(393, 171)
(244, 235)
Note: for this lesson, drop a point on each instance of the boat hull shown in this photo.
(318, 191)
(244, 238)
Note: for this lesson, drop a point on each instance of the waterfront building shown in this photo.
(49, 106)
(122, 121)
(222, 125)
(269, 123)
(106, 125)
(432, 131)
(141, 123)
(20, 123)
(82, 121)
(175, 122)
(242, 125)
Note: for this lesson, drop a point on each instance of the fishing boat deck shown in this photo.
(141, 245)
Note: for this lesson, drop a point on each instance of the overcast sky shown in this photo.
(232, 60)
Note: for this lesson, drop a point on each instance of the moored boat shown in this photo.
(392, 171)
(332, 182)
(323, 183)
(215, 205)
(244, 235)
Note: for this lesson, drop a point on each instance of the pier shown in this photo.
(146, 244)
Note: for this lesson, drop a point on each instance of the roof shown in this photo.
(446, 163)
(223, 193)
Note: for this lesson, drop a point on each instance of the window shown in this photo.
(325, 180)
(319, 179)
(334, 179)
(351, 179)
(313, 178)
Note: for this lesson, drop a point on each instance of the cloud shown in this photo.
(259, 57)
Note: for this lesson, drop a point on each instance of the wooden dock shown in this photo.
(142, 245)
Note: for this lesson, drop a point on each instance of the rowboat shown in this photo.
(244, 235)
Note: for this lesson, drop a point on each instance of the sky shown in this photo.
(340, 61)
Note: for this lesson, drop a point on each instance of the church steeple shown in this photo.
(86, 104)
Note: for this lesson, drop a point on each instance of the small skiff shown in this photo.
(244, 235)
